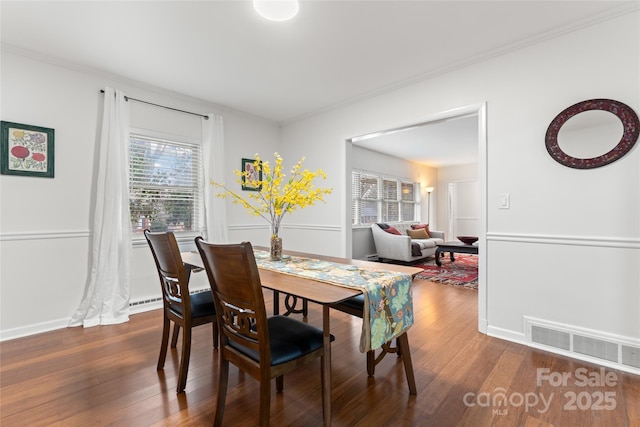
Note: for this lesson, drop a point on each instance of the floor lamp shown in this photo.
(429, 190)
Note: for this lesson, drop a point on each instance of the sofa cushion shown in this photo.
(426, 243)
(420, 233)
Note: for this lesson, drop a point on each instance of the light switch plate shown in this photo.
(504, 201)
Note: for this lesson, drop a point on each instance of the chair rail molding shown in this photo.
(551, 239)
(236, 227)
(39, 235)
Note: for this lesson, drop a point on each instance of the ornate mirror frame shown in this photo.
(631, 130)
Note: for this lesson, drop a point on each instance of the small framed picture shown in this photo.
(26, 150)
(251, 175)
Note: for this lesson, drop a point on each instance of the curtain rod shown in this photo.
(127, 98)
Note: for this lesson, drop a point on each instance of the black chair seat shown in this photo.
(356, 303)
(201, 305)
(289, 339)
(263, 347)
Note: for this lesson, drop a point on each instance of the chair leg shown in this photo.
(280, 383)
(223, 381)
(265, 401)
(174, 337)
(184, 360)
(214, 325)
(403, 344)
(166, 325)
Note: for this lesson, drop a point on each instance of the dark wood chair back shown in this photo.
(174, 278)
(265, 347)
(179, 306)
(235, 283)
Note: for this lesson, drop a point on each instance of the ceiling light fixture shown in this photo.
(276, 10)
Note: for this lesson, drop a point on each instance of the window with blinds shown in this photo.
(364, 190)
(376, 198)
(390, 208)
(165, 185)
(408, 201)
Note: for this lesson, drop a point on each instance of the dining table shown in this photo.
(315, 291)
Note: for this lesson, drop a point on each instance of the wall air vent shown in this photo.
(550, 337)
(152, 300)
(143, 302)
(593, 346)
(631, 356)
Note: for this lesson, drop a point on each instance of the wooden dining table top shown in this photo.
(313, 290)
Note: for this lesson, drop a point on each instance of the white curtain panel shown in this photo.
(214, 169)
(106, 298)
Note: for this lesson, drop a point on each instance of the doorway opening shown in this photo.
(375, 141)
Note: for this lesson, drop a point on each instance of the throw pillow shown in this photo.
(421, 226)
(393, 230)
(420, 233)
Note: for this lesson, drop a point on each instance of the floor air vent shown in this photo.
(592, 344)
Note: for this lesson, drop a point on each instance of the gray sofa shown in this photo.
(399, 248)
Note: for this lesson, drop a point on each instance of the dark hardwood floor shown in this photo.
(107, 376)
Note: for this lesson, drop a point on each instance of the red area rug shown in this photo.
(462, 272)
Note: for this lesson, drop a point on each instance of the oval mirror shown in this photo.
(589, 134)
(592, 133)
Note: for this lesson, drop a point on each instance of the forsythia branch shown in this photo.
(273, 200)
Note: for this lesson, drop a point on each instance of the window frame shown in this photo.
(138, 239)
(382, 199)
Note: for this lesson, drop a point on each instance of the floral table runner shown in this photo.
(387, 295)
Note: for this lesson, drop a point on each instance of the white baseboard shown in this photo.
(525, 339)
(483, 325)
(506, 334)
(37, 328)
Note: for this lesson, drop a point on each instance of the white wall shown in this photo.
(548, 256)
(45, 224)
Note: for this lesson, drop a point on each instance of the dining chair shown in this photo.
(264, 347)
(179, 306)
(355, 307)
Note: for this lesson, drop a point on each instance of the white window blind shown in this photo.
(365, 198)
(390, 208)
(165, 185)
(380, 199)
(408, 205)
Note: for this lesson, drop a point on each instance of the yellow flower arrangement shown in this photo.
(277, 195)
